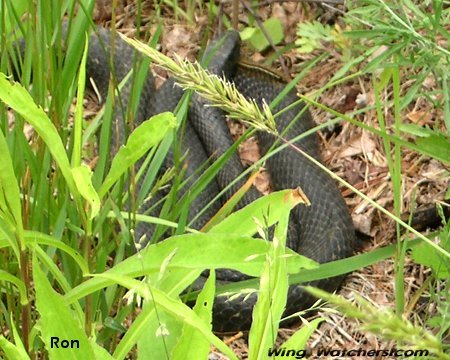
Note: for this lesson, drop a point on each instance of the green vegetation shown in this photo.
(68, 266)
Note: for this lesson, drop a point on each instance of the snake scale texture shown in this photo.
(323, 231)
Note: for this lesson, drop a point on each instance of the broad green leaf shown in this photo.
(83, 179)
(159, 336)
(437, 146)
(257, 38)
(301, 336)
(192, 344)
(177, 309)
(18, 98)
(100, 353)
(12, 352)
(427, 255)
(416, 130)
(195, 252)
(145, 136)
(265, 210)
(52, 309)
(247, 33)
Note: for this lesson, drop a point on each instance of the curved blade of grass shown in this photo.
(44, 239)
(4, 276)
(16, 352)
(52, 269)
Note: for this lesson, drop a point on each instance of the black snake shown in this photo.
(323, 232)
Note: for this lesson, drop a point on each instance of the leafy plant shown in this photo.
(315, 35)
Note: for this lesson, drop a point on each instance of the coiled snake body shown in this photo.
(323, 231)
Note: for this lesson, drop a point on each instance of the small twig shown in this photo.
(235, 18)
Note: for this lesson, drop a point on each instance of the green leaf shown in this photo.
(10, 205)
(192, 344)
(416, 130)
(100, 353)
(437, 146)
(13, 352)
(145, 136)
(176, 309)
(13, 9)
(265, 210)
(312, 34)
(427, 255)
(194, 252)
(256, 37)
(301, 336)
(18, 98)
(247, 33)
(83, 179)
(52, 309)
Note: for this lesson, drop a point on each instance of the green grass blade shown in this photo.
(44, 239)
(78, 119)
